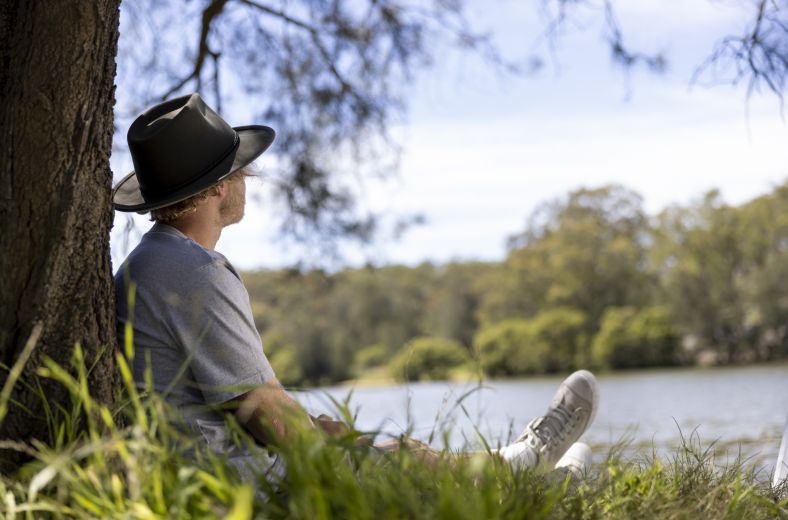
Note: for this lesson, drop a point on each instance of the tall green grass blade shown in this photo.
(19, 365)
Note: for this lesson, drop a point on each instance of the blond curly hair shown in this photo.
(173, 212)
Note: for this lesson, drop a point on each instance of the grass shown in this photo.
(131, 462)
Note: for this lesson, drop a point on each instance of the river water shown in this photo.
(735, 410)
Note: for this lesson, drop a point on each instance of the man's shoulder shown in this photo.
(168, 258)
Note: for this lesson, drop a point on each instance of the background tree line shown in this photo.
(592, 281)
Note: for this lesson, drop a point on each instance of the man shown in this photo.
(189, 312)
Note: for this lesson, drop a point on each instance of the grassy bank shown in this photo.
(131, 463)
(139, 472)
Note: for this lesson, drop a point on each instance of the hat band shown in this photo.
(146, 193)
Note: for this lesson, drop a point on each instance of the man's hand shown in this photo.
(336, 428)
(330, 426)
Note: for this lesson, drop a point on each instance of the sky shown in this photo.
(480, 151)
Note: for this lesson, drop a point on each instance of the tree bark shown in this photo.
(57, 71)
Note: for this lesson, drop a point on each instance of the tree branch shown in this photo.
(315, 36)
(759, 55)
(282, 15)
(210, 13)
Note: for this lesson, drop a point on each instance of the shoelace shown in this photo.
(547, 428)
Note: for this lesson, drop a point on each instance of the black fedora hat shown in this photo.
(181, 147)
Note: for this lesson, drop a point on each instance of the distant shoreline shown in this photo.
(379, 377)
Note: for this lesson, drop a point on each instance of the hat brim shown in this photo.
(253, 141)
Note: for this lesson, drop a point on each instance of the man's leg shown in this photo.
(422, 451)
(569, 415)
(548, 437)
(542, 443)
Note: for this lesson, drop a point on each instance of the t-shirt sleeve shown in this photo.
(214, 325)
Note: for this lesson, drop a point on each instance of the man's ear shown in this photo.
(220, 190)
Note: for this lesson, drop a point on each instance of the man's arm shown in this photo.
(270, 414)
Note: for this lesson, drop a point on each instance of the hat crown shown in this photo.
(177, 142)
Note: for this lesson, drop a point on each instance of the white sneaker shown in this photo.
(570, 413)
(576, 460)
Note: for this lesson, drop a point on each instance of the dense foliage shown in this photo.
(630, 338)
(428, 358)
(591, 282)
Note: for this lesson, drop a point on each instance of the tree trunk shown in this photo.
(57, 70)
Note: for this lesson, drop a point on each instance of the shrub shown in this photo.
(511, 347)
(562, 330)
(631, 338)
(369, 357)
(548, 342)
(427, 358)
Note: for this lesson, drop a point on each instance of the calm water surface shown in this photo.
(734, 408)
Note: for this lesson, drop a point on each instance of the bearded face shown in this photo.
(231, 210)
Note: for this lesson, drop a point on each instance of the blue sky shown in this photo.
(481, 151)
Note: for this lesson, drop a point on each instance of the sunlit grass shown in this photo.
(131, 462)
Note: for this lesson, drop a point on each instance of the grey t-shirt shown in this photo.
(192, 324)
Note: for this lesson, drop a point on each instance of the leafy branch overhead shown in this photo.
(331, 77)
(327, 75)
